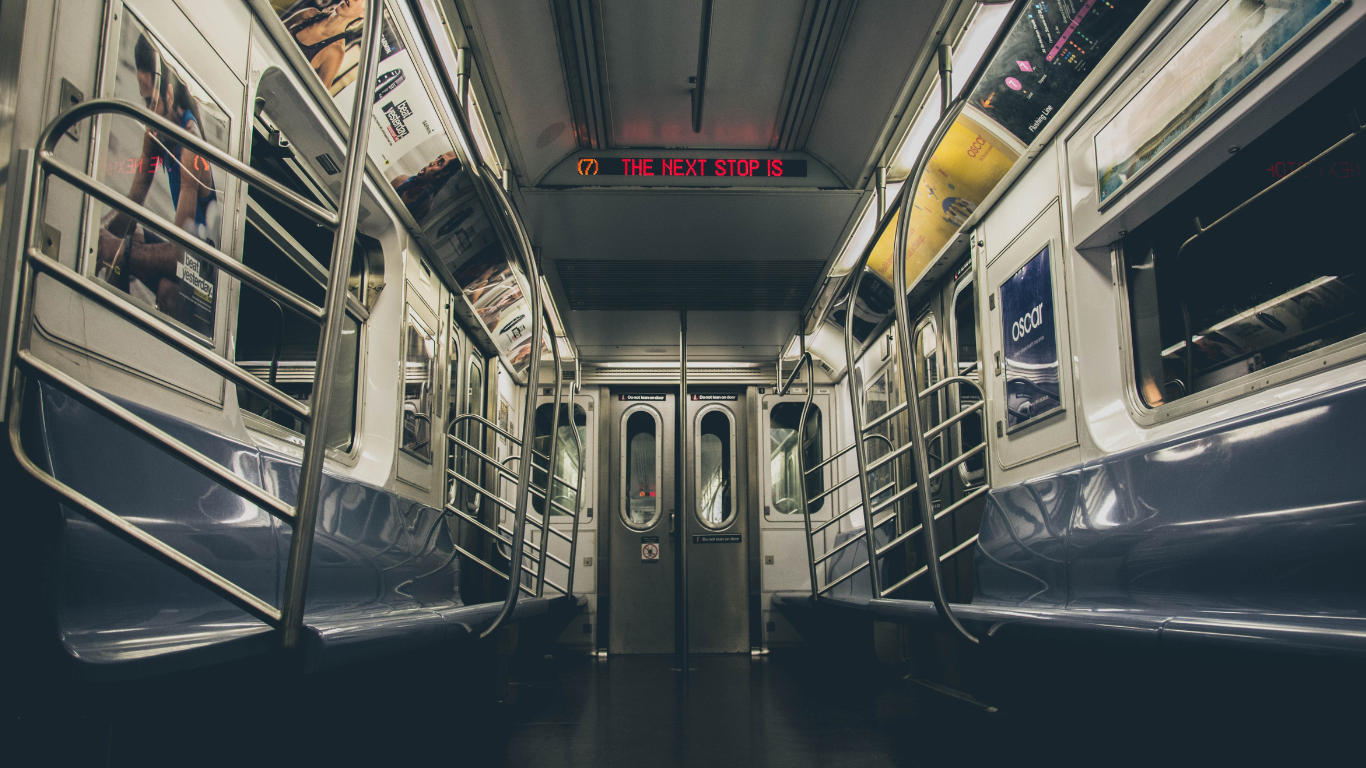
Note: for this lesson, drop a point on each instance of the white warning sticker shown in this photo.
(649, 552)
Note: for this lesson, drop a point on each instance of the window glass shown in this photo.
(470, 432)
(715, 493)
(784, 471)
(1257, 289)
(931, 408)
(641, 446)
(276, 344)
(280, 346)
(877, 401)
(419, 378)
(566, 457)
(965, 337)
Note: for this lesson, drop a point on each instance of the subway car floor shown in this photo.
(793, 707)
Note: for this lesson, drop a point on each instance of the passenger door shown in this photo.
(641, 560)
(717, 524)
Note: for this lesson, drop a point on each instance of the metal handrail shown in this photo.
(288, 618)
(530, 447)
(950, 109)
(524, 251)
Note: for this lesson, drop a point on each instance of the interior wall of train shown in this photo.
(972, 345)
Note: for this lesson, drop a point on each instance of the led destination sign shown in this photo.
(768, 167)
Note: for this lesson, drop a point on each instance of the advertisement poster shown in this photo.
(494, 291)
(407, 141)
(1031, 343)
(154, 170)
(1045, 57)
(963, 170)
(1237, 41)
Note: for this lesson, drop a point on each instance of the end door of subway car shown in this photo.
(642, 548)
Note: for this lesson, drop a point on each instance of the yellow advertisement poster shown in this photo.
(963, 170)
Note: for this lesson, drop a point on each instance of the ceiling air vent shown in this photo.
(780, 286)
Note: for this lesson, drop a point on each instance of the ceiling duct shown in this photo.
(578, 28)
(813, 59)
(644, 374)
(613, 284)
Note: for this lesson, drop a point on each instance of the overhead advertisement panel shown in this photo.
(1234, 45)
(963, 170)
(407, 139)
(411, 147)
(1046, 56)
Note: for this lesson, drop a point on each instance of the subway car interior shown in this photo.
(762, 382)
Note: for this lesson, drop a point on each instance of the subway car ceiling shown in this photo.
(617, 164)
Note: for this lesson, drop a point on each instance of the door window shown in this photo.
(876, 403)
(931, 408)
(784, 469)
(715, 470)
(419, 377)
(640, 469)
(969, 430)
(566, 457)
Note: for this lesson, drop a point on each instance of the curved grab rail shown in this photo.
(522, 497)
(951, 109)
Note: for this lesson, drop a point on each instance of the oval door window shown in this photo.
(715, 469)
(640, 469)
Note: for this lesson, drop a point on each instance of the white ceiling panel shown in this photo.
(517, 41)
(875, 61)
(652, 51)
(678, 224)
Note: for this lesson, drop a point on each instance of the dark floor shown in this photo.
(785, 709)
(792, 708)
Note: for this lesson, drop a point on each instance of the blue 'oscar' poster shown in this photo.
(1031, 343)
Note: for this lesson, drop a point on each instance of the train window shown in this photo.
(566, 456)
(969, 430)
(715, 470)
(466, 462)
(641, 466)
(784, 470)
(876, 402)
(281, 347)
(1253, 290)
(419, 381)
(931, 408)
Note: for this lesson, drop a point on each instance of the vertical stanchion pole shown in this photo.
(329, 343)
(682, 514)
(521, 500)
(860, 452)
(578, 482)
(552, 457)
(801, 464)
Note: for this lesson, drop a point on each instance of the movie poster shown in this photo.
(1237, 41)
(153, 169)
(407, 141)
(1030, 338)
(1045, 57)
